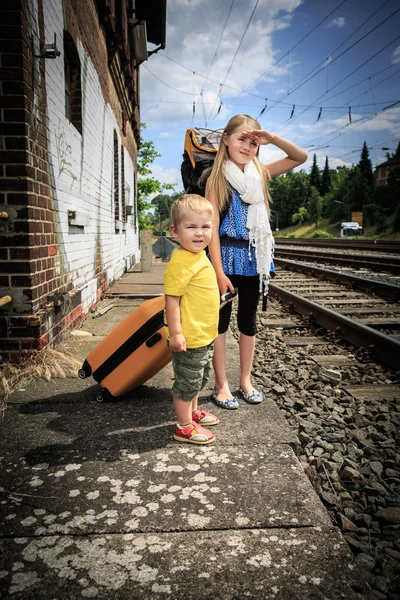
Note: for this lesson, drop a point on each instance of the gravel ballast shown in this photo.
(349, 446)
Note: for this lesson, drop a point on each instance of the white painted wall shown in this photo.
(83, 171)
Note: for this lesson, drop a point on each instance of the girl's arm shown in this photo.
(177, 341)
(214, 247)
(295, 155)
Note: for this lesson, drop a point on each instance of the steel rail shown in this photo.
(358, 334)
(387, 290)
(375, 245)
(380, 263)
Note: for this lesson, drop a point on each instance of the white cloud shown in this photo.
(338, 22)
(396, 55)
(193, 34)
(165, 175)
(174, 5)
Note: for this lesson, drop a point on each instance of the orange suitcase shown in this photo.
(132, 353)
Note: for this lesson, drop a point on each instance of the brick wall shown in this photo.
(60, 245)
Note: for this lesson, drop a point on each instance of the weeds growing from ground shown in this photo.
(44, 364)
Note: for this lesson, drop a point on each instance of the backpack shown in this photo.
(201, 147)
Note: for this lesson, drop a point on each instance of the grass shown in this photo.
(307, 229)
(44, 364)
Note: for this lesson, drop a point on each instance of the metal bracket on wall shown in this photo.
(49, 50)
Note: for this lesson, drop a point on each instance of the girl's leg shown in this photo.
(219, 363)
(246, 350)
(249, 296)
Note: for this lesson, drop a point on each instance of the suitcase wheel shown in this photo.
(103, 396)
(85, 370)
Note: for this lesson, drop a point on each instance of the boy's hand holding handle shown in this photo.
(228, 295)
(177, 343)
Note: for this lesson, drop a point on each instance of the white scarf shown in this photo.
(250, 187)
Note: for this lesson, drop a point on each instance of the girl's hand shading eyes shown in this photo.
(260, 136)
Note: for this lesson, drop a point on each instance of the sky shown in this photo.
(281, 61)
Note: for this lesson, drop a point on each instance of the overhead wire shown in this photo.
(214, 57)
(288, 52)
(255, 95)
(280, 100)
(354, 98)
(167, 84)
(344, 41)
(346, 77)
(233, 59)
(299, 85)
(356, 123)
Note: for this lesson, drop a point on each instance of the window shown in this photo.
(116, 182)
(123, 190)
(72, 74)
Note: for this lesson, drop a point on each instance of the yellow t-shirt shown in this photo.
(191, 276)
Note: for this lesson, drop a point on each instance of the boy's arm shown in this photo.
(177, 341)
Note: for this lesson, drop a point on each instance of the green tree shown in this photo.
(315, 205)
(365, 167)
(289, 192)
(315, 174)
(395, 154)
(396, 220)
(147, 185)
(163, 203)
(325, 179)
(300, 216)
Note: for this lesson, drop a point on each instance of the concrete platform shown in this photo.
(98, 501)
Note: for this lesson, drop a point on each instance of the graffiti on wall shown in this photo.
(64, 153)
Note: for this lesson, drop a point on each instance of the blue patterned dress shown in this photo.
(234, 238)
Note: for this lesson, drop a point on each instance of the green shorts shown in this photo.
(191, 370)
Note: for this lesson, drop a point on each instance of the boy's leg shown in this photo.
(199, 415)
(188, 378)
(190, 432)
(183, 411)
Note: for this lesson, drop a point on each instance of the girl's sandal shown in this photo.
(229, 403)
(253, 398)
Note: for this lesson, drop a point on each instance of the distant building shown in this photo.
(382, 170)
(70, 131)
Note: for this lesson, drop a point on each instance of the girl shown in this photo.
(241, 247)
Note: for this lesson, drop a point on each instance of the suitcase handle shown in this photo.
(153, 340)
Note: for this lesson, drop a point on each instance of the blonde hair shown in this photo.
(216, 183)
(189, 202)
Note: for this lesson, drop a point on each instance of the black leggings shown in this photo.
(249, 296)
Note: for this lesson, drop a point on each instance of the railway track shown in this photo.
(374, 245)
(367, 315)
(388, 264)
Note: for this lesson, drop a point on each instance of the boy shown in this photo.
(191, 310)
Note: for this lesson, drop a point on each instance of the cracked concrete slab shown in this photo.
(180, 488)
(223, 565)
